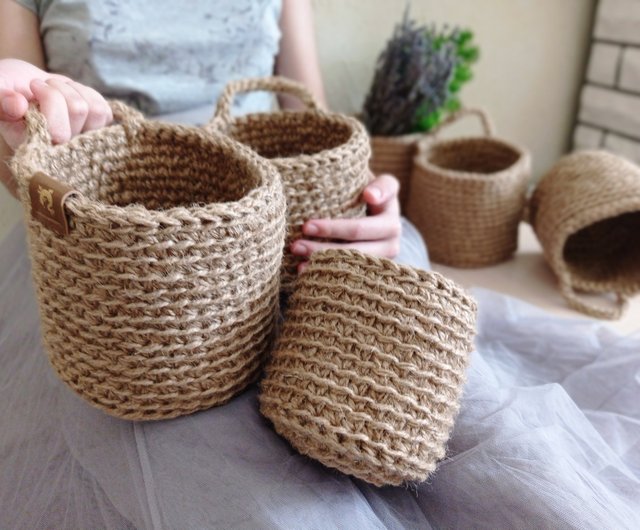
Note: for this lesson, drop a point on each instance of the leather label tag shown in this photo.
(47, 202)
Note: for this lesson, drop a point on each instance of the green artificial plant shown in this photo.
(418, 78)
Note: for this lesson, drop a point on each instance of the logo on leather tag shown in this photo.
(47, 202)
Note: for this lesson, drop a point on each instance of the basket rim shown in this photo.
(422, 158)
(82, 207)
(401, 270)
(358, 133)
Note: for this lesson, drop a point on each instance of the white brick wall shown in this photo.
(630, 69)
(609, 115)
(622, 146)
(603, 63)
(619, 21)
(585, 137)
(610, 109)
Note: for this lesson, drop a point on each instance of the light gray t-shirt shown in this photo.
(162, 56)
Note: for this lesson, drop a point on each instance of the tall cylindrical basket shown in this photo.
(322, 156)
(468, 195)
(155, 252)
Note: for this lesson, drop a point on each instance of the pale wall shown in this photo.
(533, 55)
(532, 63)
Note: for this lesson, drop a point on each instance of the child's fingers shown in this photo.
(375, 227)
(54, 107)
(387, 248)
(13, 105)
(99, 110)
(77, 107)
(382, 193)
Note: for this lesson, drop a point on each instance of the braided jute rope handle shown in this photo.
(37, 129)
(38, 137)
(485, 121)
(590, 308)
(276, 84)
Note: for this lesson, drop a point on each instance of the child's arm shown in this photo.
(377, 234)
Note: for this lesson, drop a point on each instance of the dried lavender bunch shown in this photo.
(411, 79)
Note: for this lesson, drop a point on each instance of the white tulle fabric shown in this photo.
(548, 437)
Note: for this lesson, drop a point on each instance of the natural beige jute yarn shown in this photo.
(162, 298)
(468, 195)
(370, 365)
(321, 156)
(586, 214)
(394, 155)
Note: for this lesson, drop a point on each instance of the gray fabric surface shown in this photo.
(548, 437)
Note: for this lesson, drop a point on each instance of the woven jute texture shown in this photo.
(163, 297)
(370, 365)
(586, 214)
(468, 196)
(394, 155)
(322, 157)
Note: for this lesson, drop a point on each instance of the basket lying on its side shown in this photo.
(394, 154)
(586, 214)
(468, 195)
(321, 156)
(156, 252)
(370, 365)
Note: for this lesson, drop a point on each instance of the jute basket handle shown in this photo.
(37, 130)
(485, 121)
(275, 84)
(593, 309)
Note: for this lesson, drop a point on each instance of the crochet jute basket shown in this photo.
(370, 365)
(586, 214)
(468, 195)
(394, 155)
(321, 156)
(158, 275)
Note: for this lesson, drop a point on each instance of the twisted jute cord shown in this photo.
(321, 156)
(162, 299)
(468, 194)
(370, 365)
(580, 192)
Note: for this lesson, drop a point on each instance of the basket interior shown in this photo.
(288, 134)
(162, 168)
(607, 251)
(477, 155)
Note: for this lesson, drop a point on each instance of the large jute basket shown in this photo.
(156, 252)
(370, 365)
(586, 214)
(321, 156)
(394, 155)
(468, 195)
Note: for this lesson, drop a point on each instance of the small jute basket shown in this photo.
(322, 157)
(156, 252)
(586, 214)
(370, 365)
(394, 155)
(468, 195)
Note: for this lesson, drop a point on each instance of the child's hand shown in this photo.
(70, 108)
(377, 234)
